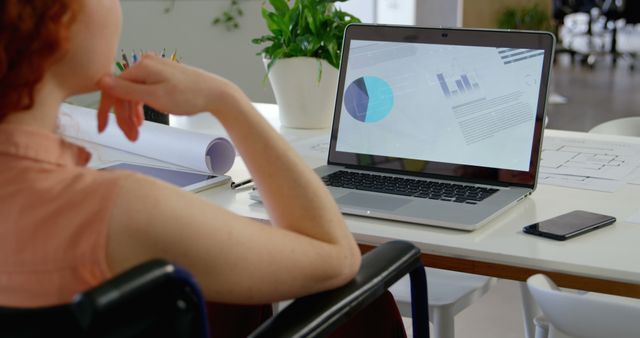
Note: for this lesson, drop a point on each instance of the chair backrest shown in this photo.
(626, 126)
(155, 299)
(587, 315)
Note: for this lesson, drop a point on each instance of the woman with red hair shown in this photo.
(65, 228)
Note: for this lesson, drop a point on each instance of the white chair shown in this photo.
(583, 314)
(586, 34)
(534, 324)
(449, 292)
(626, 126)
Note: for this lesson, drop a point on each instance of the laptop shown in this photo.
(437, 126)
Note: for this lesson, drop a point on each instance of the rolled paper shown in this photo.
(199, 152)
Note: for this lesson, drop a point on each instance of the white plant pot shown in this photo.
(303, 101)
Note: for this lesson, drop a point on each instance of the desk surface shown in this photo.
(606, 260)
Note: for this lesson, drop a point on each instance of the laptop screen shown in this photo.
(445, 106)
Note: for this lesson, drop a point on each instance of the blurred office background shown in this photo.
(589, 89)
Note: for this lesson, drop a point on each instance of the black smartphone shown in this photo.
(569, 225)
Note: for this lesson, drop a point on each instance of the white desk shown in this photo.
(607, 260)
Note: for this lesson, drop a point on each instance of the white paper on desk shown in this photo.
(588, 158)
(580, 182)
(634, 177)
(635, 218)
(200, 152)
(318, 145)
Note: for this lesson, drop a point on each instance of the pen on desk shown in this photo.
(134, 56)
(173, 56)
(119, 65)
(236, 185)
(164, 52)
(125, 59)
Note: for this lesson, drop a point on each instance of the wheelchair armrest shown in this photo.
(319, 314)
(74, 319)
(136, 293)
(131, 282)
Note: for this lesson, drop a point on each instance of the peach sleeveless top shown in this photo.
(54, 214)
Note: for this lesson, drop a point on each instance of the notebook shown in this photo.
(437, 126)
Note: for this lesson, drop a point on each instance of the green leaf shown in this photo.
(303, 42)
(293, 17)
(312, 22)
(281, 6)
(295, 49)
(264, 12)
(268, 21)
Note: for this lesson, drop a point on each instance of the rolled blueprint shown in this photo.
(197, 151)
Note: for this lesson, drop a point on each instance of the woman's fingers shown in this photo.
(126, 94)
(129, 115)
(125, 122)
(106, 103)
(139, 113)
(125, 89)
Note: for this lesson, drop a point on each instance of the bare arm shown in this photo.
(234, 258)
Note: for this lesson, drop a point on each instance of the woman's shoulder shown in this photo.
(90, 182)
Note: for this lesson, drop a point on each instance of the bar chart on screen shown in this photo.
(465, 83)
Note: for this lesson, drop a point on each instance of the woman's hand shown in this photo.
(166, 86)
(129, 115)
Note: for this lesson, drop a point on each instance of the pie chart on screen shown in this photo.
(368, 99)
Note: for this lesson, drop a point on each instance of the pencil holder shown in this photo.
(150, 114)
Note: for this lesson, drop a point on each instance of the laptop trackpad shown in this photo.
(370, 201)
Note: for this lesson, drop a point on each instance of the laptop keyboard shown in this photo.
(394, 185)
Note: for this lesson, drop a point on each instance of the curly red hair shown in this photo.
(32, 34)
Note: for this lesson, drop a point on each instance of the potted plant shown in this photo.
(302, 58)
